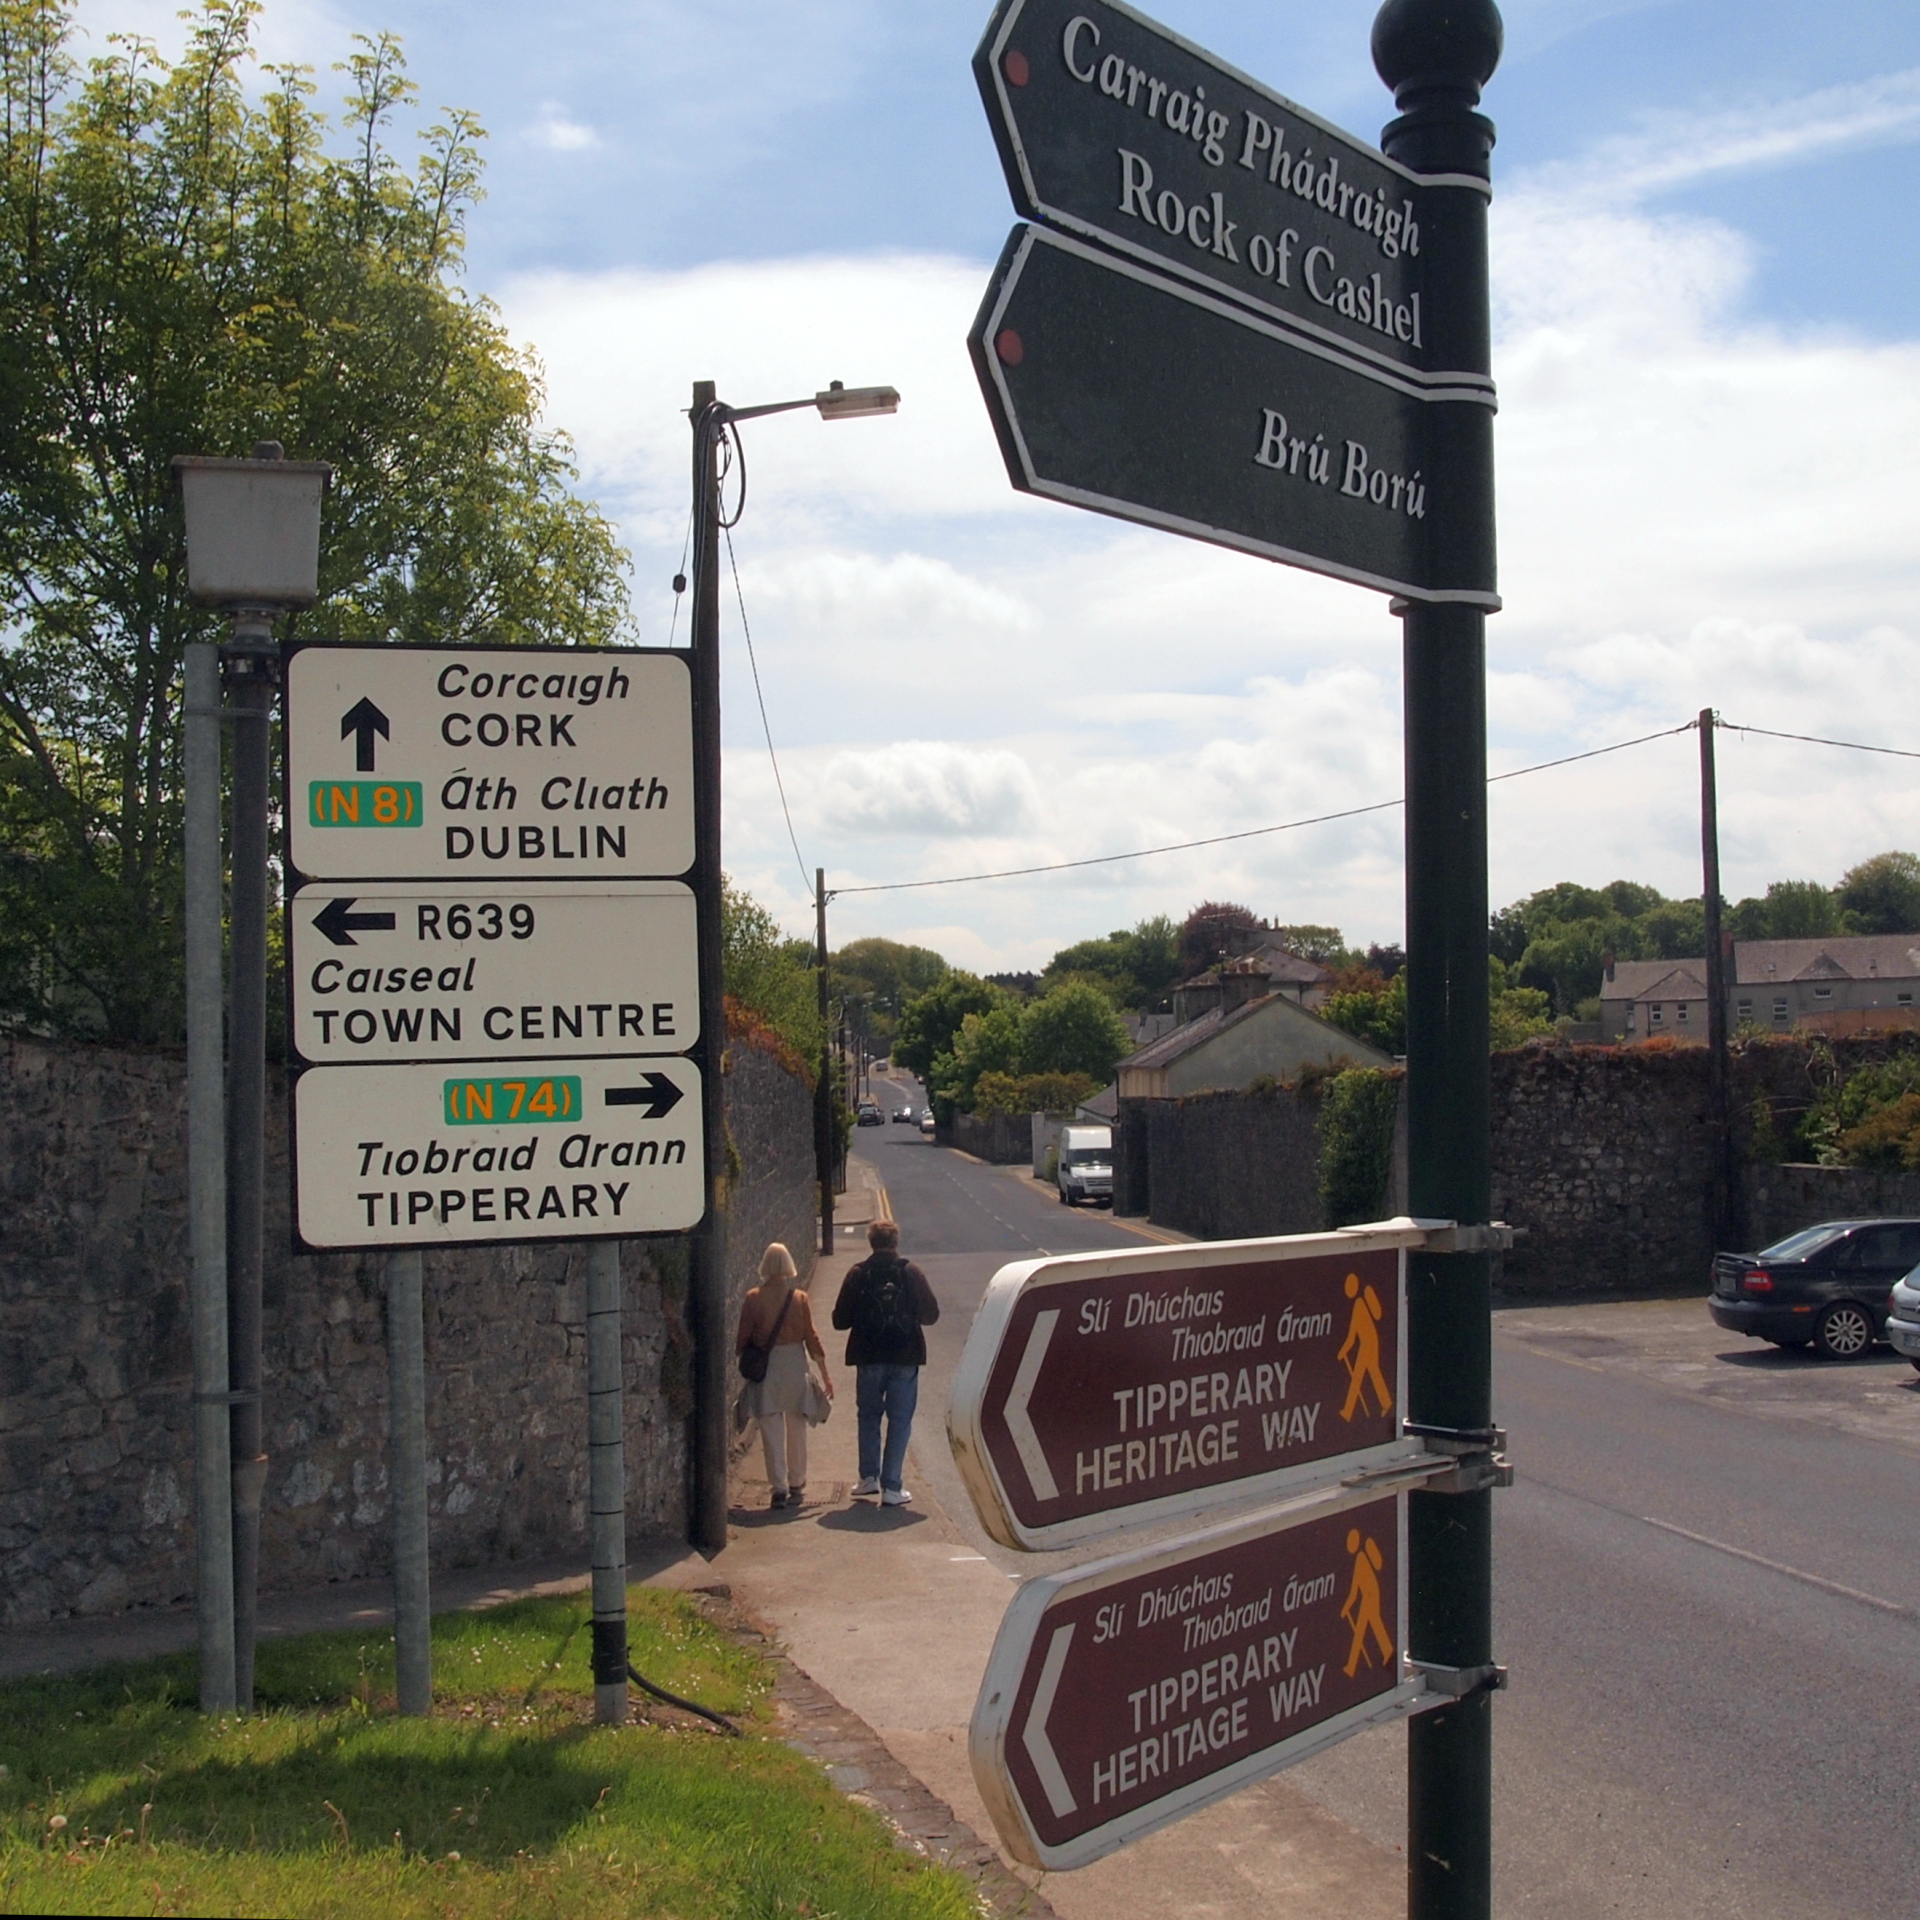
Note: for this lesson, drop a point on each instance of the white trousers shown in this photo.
(783, 1440)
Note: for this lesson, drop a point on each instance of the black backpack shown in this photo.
(888, 1310)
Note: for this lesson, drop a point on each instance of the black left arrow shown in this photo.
(340, 925)
(363, 721)
(659, 1096)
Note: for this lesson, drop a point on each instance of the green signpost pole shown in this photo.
(1436, 55)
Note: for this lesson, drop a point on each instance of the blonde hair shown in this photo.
(777, 1263)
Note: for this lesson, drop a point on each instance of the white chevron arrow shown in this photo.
(1026, 1442)
(1033, 1736)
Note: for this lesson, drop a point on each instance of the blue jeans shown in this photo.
(894, 1392)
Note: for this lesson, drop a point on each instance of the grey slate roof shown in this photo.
(1863, 956)
(1638, 979)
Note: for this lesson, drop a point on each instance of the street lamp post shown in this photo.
(713, 419)
(253, 544)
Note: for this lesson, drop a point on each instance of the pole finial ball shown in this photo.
(1437, 46)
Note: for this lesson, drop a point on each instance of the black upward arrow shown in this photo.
(363, 721)
(659, 1096)
(340, 926)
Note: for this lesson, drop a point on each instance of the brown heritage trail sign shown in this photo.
(1098, 1391)
(1124, 1695)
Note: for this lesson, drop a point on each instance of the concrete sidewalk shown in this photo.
(893, 1610)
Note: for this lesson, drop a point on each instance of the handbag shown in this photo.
(754, 1357)
(817, 1406)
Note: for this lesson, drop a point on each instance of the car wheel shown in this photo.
(1845, 1331)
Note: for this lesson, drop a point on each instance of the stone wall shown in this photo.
(96, 1488)
(1000, 1139)
(1599, 1153)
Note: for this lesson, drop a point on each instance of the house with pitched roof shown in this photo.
(1856, 980)
(1642, 999)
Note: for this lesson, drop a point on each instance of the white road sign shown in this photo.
(489, 763)
(427, 1154)
(384, 970)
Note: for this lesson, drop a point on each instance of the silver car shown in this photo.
(1903, 1317)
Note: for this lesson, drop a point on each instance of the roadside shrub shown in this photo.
(1887, 1138)
(1356, 1144)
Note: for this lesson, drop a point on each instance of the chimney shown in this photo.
(1606, 960)
(1243, 980)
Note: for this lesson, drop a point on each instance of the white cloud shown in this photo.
(558, 133)
(932, 788)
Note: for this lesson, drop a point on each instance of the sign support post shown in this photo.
(607, 1482)
(823, 1087)
(251, 663)
(407, 1479)
(207, 1174)
(1436, 55)
(707, 1278)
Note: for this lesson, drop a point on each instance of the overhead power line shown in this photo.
(1816, 740)
(1246, 833)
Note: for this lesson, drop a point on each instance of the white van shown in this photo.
(1085, 1169)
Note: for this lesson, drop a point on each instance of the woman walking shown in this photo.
(776, 1319)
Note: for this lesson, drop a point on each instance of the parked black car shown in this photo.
(1827, 1286)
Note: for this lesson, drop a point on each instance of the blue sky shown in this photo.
(1706, 285)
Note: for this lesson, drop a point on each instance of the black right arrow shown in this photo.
(363, 721)
(659, 1096)
(339, 925)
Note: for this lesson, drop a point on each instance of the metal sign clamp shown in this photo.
(1479, 1457)
(1495, 1237)
(1458, 1683)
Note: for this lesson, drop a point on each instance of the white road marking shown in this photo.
(1780, 1566)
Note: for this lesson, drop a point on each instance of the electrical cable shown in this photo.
(780, 786)
(1247, 833)
(720, 1720)
(680, 578)
(1815, 740)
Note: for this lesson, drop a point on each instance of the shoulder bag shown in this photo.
(753, 1356)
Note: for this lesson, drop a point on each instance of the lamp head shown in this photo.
(253, 528)
(841, 402)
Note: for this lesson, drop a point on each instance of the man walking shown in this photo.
(883, 1304)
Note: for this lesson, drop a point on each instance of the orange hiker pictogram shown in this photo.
(1360, 1350)
(1361, 1608)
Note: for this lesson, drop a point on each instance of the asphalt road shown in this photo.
(1708, 1592)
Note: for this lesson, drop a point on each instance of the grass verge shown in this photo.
(117, 1797)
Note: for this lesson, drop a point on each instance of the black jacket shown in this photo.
(865, 1349)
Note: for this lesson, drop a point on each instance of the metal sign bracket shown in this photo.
(1450, 1684)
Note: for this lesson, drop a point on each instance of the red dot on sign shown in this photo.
(1016, 64)
(1006, 343)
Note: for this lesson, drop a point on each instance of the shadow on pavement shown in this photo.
(865, 1519)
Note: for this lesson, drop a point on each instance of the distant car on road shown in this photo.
(904, 1117)
(1903, 1317)
(1826, 1287)
(867, 1113)
(927, 1123)
(1085, 1166)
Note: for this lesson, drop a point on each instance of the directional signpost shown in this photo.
(1102, 1391)
(498, 934)
(1112, 127)
(1114, 388)
(1124, 1695)
(1238, 323)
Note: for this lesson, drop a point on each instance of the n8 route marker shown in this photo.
(384, 970)
(1098, 1391)
(1124, 1695)
(489, 763)
(427, 1154)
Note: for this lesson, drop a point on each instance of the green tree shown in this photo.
(929, 1021)
(1791, 910)
(986, 1043)
(184, 269)
(1882, 895)
(1073, 1029)
(768, 973)
(1136, 966)
(1371, 1009)
(1327, 945)
(1515, 1015)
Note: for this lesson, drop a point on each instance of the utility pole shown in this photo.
(1436, 55)
(1718, 1071)
(823, 1086)
(707, 1288)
